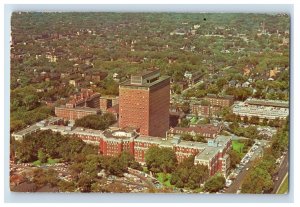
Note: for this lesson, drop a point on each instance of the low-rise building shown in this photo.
(205, 110)
(114, 141)
(108, 102)
(264, 109)
(222, 101)
(75, 113)
(20, 135)
(80, 105)
(208, 131)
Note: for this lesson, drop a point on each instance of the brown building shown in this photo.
(206, 111)
(86, 98)
(95, 76)
(74, 113)
(80, 105)
(223, 101)
(144, 103)
(108, 102)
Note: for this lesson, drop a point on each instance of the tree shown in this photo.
(42, 177)
(85, 183)
(160, 159)
(189, 175)
(31, 101)
(187, 137)
(199, 138)
(42, 156)
(221, 82)
(99, 122)
(66, 186)
(176, 89)
(115, 166)
(234, 158)
(128, 159)
(184, 123)
(257, 181)
(215, 183)
(254, 120)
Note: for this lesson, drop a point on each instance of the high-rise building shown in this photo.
(144, 103)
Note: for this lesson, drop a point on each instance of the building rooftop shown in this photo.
(262, 111)
(120, 134)
(84, 96)
(145, 85)
(27, 130)
(71, 130)
(210, 151)
(144, 138)
(220, 97)
(207, 154)
(79, 108)
(207, 128)
(267, 102)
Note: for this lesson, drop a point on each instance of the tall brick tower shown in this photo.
(144, 103)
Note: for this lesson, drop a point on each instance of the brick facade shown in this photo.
(224, 101)
(145, 105)
(74, 113)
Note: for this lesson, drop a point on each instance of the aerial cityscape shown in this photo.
(149, 102)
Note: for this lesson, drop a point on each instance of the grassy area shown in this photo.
(145, 170)
(237, 146)
(164, 179)
(284, 186)
(50, 161)
(37, 163)
(194, 120)
(199, 190)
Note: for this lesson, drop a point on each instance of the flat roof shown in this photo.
(77, 130)
(79, 108)
(145, 85)
(143, 138)
(207, 154)
(146, 73)
(267, 102)
(260, 110)
(210, 151)
(27, 130)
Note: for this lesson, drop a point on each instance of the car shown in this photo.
(228, 183)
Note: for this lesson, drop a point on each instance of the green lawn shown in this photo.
(237, 146)
(145, 170)
(167, 179)
(50, 161)
(194, 120)
(37, 163)
(284, 187)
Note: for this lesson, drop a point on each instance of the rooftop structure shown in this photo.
(24, 132)
(20, 135)
(207, 130)
(266, 102)
(244, 109)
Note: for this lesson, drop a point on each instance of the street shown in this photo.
(234, 187)
(283, 170)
